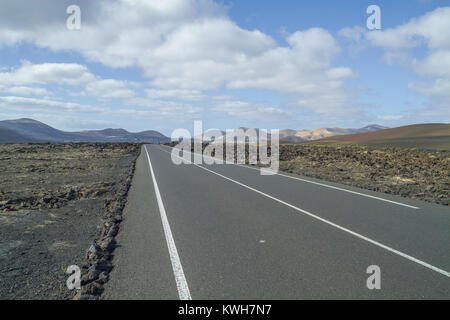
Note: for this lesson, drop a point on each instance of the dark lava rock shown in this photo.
(93, 288)
(89, 297)
(107, 244)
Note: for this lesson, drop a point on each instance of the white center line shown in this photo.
(360, 236)
(320, 184)
(180, 279)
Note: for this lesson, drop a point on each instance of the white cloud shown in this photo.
(249, 111)
(166, 108)
(47, 73)
(157, 111)
(340, 73)
(187, 46)
(24, 91)
(392, 117)
(109, 89)
(32, 104)
(71, 74)
(429, 32)
(354, 34)
(179, 94)
(440, 87)
(430, 29)
(71, 122)
(436, 64)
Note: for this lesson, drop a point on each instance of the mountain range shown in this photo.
(290, 135)
(316, 134)
(29, 130)
(429, 136)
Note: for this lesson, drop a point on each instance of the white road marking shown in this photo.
(337, 188)
(180, 279)
(360, 236)
(322, 184)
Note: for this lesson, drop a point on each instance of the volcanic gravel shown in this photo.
(52, 201)
(412, 173)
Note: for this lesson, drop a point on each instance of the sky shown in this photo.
(161, 64)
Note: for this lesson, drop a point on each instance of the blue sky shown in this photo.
(269, 64)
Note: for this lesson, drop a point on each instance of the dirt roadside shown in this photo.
(53, 198)
(411, 173)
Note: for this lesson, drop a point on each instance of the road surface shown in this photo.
(227, 232)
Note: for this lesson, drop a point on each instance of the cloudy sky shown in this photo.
(160, 64)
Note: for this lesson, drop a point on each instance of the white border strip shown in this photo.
(180, 279)
(321, 184)
(376, 243)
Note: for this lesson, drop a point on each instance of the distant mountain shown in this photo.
(287, 134)
(425, 136)
(234, 132)
(29, 130)
(150, 135)
(10, 136)
(35, 130)
(371, 128)
(308, 135)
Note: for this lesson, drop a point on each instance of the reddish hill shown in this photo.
(426, 136)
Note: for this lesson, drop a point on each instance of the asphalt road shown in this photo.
(227, 232)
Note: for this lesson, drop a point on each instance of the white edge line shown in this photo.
(180, 279)
(321, 184)
(337, 188)
(360, 236)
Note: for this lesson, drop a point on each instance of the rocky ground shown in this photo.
(412, 173)
(55, 200)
